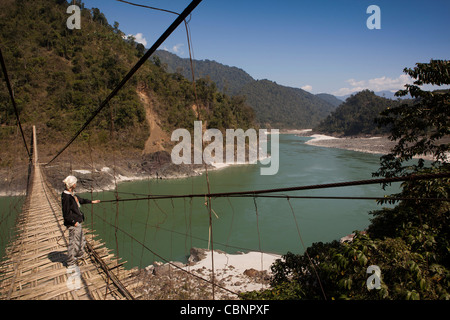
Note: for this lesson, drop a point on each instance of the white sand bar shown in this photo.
(230, 268)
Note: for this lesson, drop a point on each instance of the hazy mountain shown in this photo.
(329, 98)
(385, 94)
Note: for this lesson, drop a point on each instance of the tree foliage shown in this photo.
(409, 243)
(422, 128)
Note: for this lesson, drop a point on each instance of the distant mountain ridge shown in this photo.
(335, 101)
(384, 94)
(275, 105)
(228, 79)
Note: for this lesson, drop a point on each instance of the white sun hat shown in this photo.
(69, 181)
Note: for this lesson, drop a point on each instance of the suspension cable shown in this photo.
(252, 193)
(11, 94)
(148, 7)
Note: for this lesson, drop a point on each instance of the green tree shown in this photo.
(422, 128)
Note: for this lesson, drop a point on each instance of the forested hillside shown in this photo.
(284, 107)
(60, 76)
(330, 99)
(357, 115)
(275, 105)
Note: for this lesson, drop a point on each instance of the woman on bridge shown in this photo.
(73, 218)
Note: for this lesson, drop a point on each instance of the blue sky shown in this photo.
(321, 46)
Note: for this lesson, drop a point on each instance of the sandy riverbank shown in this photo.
(237, 273)
(105, 175)
(374, 145)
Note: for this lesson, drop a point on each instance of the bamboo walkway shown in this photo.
(34, 268)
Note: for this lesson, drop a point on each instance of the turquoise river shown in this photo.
(144, 231)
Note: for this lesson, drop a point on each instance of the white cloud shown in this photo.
(177, 49)
(307, 88)
(376, 84)
(139, 38)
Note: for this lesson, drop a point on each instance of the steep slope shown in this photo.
(60, 76)
(158, 138)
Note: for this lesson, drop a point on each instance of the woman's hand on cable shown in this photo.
(95, 201)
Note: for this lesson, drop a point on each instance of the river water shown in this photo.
(145, 231)
(166, 229)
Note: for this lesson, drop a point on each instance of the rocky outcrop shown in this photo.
(257, 275)
(197, 254)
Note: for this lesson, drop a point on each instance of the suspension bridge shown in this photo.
(35, 264)
(34, 267)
